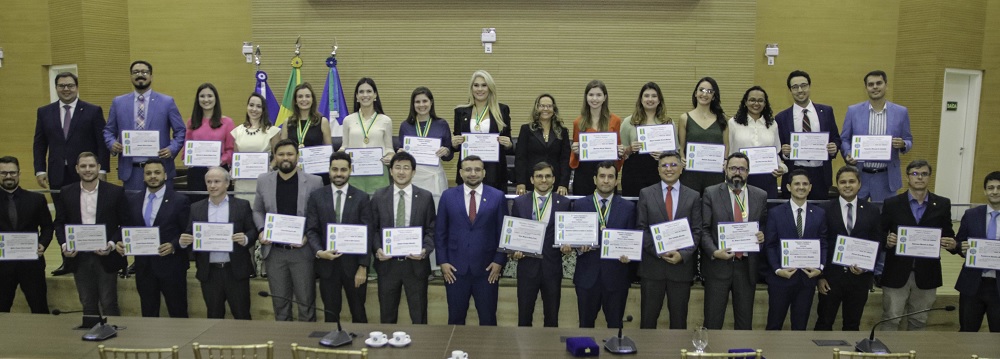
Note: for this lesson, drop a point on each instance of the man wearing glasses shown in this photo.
(23, 211)
(808, 116)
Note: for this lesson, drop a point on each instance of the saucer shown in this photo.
(375, 344)
(400, 344)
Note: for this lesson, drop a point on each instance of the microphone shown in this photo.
(332, 339)
(620, 344)
(872, 345)
(57, 311)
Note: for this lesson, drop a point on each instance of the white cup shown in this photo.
(458, 354)
(400, 336)
(377, 336)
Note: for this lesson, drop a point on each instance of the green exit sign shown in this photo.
(952, 106)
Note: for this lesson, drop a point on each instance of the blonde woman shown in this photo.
(485, 114)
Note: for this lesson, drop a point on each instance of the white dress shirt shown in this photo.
(343, 198)
(408, 205)
(88, 204)
(813, 124)
(479, 196)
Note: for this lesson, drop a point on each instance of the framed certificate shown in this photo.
(423, 149)
(598, 146)
(616, 243)
(522, 235)
(18, 246)
(202, 153)
(800, 253)
(86, 237)
(250, 165)
(402, 241)
(484, 145)
(671, 236)
(141, 241)
(347, 238)
(282, 228)
(918, 242)
(705, 157)
(738, 236)
(762, 159)
(213, 237)
(871, 148)
(140, 143)
(366, 161)
(656, 138)
(576, 229)
(809, 146)
(315, 159)
(850, 251)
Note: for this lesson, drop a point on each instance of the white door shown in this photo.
(957, 141)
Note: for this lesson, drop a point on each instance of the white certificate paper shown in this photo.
(918, 242)
(140, 143)
(250, 165)
(871, 148)
(202, 153)
(619, 242)
(762, 159)
(598, 146)
(213, 237)
(141, 241)
(365, 161)
(800, 253)
(739, 236)
(705, 157)
(423, 149)
(523, 235)
(671, 236)
(850, 251)
(347, 238)
(983, 254)
(576, 229)
(18, 246)
(285, 229)
(809, 146)
(315, 159)
(484, 145)
(86, 237)
(402, 241)
(656, 138)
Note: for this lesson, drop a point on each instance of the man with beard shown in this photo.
(808, 116)
(23, 211)
(977, 288)
(467, 229)
(339, 203)
(93, 202)
(727, 271)
(144, 110)
(289, 266)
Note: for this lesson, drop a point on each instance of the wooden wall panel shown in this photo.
(988, 136)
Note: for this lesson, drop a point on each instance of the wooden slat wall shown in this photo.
(987, 139)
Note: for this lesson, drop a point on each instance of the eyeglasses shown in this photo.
(707, 91)
(920, 174)
(755, 100)
(738, 169)
(66, 86)
(9, 173)
(799, 87)
(546, 107)
(670, 165)
(141, 72)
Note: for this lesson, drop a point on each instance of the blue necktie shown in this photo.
(991, 228)
(147, 214)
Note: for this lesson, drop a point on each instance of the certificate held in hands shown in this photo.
(213, 237)
(576, 229)
(18, 246)
(522, 235)
(285, 229)
(249, 165)
(140, 143)
(871, 148)
(983, 254)
(800, 253)
(366, 161)
(705, 157)
(620, 242)
(402, 241)
(739, 236)
(656, 138)
(86, 237)
(141, 241)
(762, 159)
(918, 242)
(484, 145)
(671, 236)
(423, 149)
(850, 251)
(202, 153)
(598, 146)
(809, 146)
(347, 238)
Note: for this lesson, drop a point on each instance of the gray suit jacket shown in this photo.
(265, 202)
(422, 213)
(653, 210)
(717, 207)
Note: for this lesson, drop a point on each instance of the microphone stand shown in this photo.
(872, 345)
(334, 338)
(620, 344)
(98, 324)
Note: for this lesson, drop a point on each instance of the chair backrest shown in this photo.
(978, 357)
(255, 351)
(161, 353)
(758, 354)
(300, 352)
(837, 354)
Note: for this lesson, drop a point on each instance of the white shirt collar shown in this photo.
(844, 202)
(71, 104)
(478, 189)
(408, 189)
(344, 188)
(795, 207)
(159, 193)
(798, 109)
(84, 190)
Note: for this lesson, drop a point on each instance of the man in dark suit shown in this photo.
(669, 274)
(402, 204)
(467, 234)
(807, 116)
(92, 201)
(64, 129)
(726, 271)
(144, 110)
(910, 283)
(543, 274)
(793, 287)
(603, 284)
(23, 211)
(339, 203)
(224, 276)
(846, 216)
(977, 288)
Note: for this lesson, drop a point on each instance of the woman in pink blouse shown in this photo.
(207, 124)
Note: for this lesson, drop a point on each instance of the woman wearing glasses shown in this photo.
(754, 126)
(424, 122)
(544, 139)
(639, 169)
(706, 123)
(485, 114)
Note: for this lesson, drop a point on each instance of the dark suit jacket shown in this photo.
(653, 210)
(111, 212)
(532, 148)
(973, 226)
(383, 215)
(827, 123)
(896, 212)
(781, 225)
(32, 215)
(867, 225)
(241, 216)
(172, 220)
(589, 266)
(550, 265)
(718, 207)
(86, 134)
(320, 211)
(470, 246)
(496, 172)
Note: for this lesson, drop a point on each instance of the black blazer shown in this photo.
(241, 216)
(496, 172)
(550, 265)
(532, 148)
(589, 266)
(973, 226)
(652, 210)
(172, 220)
(86, 134)
(320, 211)
(32, 215)
(422, 213)
(896, 212)
(867, 225)
(111, 212)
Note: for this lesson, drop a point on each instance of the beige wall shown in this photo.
(987, 139)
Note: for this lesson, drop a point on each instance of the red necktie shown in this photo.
(806, 124)
(669, 200)
(737, 213)
(472, 206)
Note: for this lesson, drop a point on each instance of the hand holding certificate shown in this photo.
(282, 228)
(598, 146)
(871, 148)
(918, 242)
(18, 246)
(202, 153)
(809, 146)
(762, 159)
(86, 237)
(315, 159)
(851, 251)
(366, 161)
(141, 241)
(403, 241)
(619, 242)
(739, 236)
(705, 157)
(983, 254)
(250, 165)
(671, 236)
(347, 238)
(522, 235)
(213, 237)
(576, 229)
(800, 253)
(423, 149)
(484, 145)
(656, 138)
(140, 143)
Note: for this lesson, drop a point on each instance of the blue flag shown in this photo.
(332, 103)
(270, 102)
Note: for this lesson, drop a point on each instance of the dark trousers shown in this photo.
(550, 287)
(329, 292)
(592, 300)
(798, 296)
(717, 293)
(972, 308)
(849, 290)
(391, 285)
(221, 287)
(475, 286)
(151, 283)
(56, 198)
(30, 275)
(677, 295)
(98, 289)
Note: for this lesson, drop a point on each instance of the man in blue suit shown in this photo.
(467, 230)
(793, 287)
(808, 116)
(977, 288)
(877, 116)
(144, 110)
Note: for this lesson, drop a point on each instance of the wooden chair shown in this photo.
(837, 354)
(255, 351)
(299, 352)
(755, 354)
(978, 357)
(161, 353)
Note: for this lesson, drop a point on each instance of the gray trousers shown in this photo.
(98, 289)
(909, 298)
(290, 274)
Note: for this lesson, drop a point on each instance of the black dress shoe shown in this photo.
(60, 271)
(131, 269)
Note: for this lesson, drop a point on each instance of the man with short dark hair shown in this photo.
(808, 116)
(979, 294)
(23, 211)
